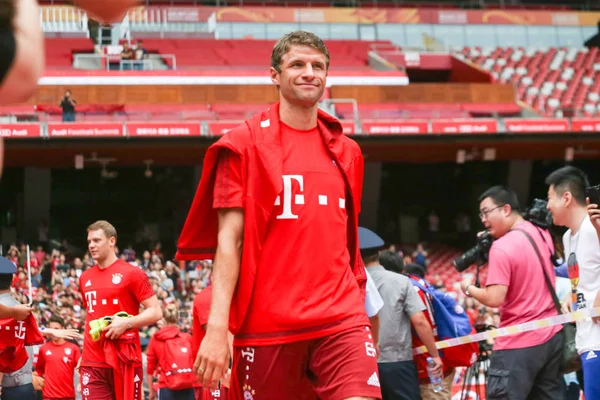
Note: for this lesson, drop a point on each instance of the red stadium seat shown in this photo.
(236, 53)
(549, 80)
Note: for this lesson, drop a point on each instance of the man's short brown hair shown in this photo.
(297, 38)
(108, 229)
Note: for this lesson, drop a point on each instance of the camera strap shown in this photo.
(547, 278)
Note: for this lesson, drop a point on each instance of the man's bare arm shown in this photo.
(18, 312)
(226, 268)
(212, 361)
(151, 314)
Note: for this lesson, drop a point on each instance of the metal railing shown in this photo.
(90, 61)
(166, 21)
(107, 62)
(148, 64)
(64, 20)
(330, 103)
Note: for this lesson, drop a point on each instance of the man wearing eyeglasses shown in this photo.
(524, 365)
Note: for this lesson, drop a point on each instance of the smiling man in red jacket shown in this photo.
(277, 206)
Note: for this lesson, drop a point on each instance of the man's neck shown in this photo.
(58, 342)
(373, 264)
(300, 118)
(517, 221)
(108, 262)
(4, 291)
(576, 219)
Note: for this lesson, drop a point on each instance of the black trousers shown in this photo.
(23, 392)
(531, 373)
(399, 381)
(168, 394)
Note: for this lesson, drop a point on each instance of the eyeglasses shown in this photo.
(484, 213)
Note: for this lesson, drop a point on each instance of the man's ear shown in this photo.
(274, 74)
(568, 196)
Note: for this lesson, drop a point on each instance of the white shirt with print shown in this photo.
(584, 273)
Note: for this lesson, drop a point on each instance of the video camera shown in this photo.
(538, 214)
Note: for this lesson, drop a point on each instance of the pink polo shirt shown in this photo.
(514, 263)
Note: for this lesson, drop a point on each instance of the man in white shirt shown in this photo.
(567, 202)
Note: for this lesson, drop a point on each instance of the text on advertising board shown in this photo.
(85, 130)
(20, 130)
(160, 129)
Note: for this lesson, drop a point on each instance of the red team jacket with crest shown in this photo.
(258, 144)
(14, 336)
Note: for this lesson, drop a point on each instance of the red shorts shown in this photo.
(207, 394)
(335, 367)
(99, 384)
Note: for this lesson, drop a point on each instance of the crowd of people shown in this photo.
(55, 281)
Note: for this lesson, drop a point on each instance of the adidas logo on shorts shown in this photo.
(374, 380)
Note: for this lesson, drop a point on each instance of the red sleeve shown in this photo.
(140, 285)
(40, 365)
(151, 356)
(77, 352)
(229, 183)
(203, 306)
(83, 300)
(360, 173)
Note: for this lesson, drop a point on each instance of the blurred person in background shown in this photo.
(417, 272)
(420, 256)
(170, 356)
(402, 310)
(56, 362)
(127, 56)
(141, 55)
(67, 104)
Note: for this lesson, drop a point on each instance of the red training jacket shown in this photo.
(14, 336)
(123, 358)
(258, 143)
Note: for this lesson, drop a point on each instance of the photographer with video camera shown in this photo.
(527, 364)
(568, 205)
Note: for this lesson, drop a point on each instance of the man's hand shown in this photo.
(596, 320)
(226, 381)
(38, 382)
(67, 334)
(594, 213)
(465, 284)
(213, 357)
(567, 305)
(439, 365)
(152, 395)
(20, 312)
(117, 327)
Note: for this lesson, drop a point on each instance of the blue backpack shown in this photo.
(452, 321)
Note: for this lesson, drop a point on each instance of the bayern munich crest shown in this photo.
(116, 278)
(248, 393)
